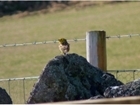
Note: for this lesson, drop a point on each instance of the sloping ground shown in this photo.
(119, 18)
(24, 8)
(29, 60)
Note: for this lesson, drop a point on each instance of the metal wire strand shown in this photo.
(37, 43)
(122, 36)
(69, 40)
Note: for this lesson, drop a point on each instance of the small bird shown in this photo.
(64, 46)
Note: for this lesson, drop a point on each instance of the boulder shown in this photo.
(70, 77)
(129, 89)
(4, 97)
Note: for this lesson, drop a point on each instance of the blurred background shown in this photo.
(15, 7)
(25, 23)
(39, 21)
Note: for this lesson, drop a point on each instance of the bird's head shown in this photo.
(62, 41)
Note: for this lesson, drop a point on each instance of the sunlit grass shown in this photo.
(25, 61)
(121, 18)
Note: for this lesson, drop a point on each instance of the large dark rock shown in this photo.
(70, 77)
(4, 97)
(129, 89)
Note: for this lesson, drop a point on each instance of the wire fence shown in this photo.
(123, 36)
(37, 43)
(69, 40)
(19, 88)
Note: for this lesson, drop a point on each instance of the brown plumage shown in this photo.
(64, 46)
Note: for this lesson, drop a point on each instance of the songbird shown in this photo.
(64, 46)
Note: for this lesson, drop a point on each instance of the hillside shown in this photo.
(19, 7)
(115, 19)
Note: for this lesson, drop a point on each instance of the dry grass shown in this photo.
(29, 60)
(121, 18)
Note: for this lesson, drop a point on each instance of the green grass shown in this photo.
(120, 18)
(115, 19)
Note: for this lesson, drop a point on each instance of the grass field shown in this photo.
(115, 19)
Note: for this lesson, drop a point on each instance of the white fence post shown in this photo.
(96, 49)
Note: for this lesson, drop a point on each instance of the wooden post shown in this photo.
(116, 100)
(96, 49)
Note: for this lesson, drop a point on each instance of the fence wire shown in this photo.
(37, 43)
(69, 40)
(19, 88)
(122, 36)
